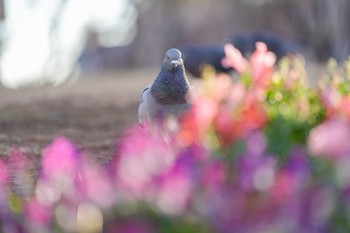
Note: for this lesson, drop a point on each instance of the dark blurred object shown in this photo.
(245, 43)
(197, 56)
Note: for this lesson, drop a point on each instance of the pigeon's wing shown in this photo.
(144, 105)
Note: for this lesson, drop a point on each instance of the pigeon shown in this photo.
(167, 96)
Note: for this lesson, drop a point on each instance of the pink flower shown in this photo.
(234, 59)
(262, 62)
(330, 139)
(142, 158)
(332, 100)
(60, 159)
(284, 187)
(96, 185)
(38, 212)
(174, 191)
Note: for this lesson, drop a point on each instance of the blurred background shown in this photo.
(106, 51)
(47, 41)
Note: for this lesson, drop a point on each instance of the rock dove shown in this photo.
(166, 97)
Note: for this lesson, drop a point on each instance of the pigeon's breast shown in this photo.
(171, 90)
(150, 109)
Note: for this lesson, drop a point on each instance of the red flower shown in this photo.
(227, 128)
(254, 115)
(345, 106)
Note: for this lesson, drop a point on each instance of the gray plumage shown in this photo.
(167, 95)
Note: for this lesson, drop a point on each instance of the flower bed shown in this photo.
(265, 152)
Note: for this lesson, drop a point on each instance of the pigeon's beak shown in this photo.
(174, 63)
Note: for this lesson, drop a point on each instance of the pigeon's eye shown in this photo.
(168, 57)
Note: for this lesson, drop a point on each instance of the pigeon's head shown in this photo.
(172, 60)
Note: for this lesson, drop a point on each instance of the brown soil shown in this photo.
(93, 113)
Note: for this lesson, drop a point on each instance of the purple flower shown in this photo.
(317, 207)
(256, 172)
(256, 143)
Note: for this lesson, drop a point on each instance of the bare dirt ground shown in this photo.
(93, 112)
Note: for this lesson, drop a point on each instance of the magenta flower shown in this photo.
(60, 159)
(214, 175)
(330, 139)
